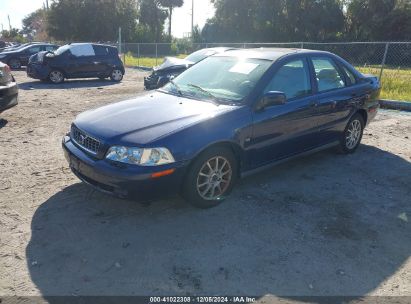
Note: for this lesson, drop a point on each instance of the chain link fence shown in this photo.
(390, 61)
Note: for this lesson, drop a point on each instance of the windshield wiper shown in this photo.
(177, 88)
(214, 98)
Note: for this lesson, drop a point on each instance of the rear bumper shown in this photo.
(8, 96)
(133, 182)
(372, 112)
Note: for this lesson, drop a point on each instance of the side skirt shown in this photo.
(277, 162)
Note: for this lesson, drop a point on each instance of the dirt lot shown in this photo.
(326, 224)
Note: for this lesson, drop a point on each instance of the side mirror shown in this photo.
(272, 98)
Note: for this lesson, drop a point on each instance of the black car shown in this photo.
(16, 58)
(172, 67)
(77, 60)
(8, 88)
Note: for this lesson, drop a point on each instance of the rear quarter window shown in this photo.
(350, 75)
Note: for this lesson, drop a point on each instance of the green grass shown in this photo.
(150, 62)
(396, 82)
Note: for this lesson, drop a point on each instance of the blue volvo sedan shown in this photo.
(230, 115)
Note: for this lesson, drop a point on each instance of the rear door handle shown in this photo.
(314, 103)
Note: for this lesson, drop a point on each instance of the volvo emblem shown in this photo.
(82, 138)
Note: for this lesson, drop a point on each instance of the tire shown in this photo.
(14, 63)
(351, 138)
(204, 187)
(116, 75)
(56, 76)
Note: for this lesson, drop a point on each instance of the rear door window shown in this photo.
(50, 48)
(34, 49)
(101, 50)
(327, 74)
(82, 50)
(293, 79)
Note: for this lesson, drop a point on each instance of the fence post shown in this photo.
(138, 54)
(384, 59)
(124, 54)
(156, 52)
(302, 45)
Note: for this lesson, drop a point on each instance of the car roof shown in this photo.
(219, 49)
(87, 43)
(271, 54)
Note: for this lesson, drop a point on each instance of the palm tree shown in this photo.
(170, 5)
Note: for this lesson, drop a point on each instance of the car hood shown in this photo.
(146, 118)
(173, 62)
(40, 57)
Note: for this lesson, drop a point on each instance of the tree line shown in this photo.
(309, 20)
(234, 21)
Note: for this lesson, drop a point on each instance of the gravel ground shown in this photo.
(326, 224)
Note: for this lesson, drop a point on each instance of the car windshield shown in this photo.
(220, 79)
(200, 55)
(62, 49)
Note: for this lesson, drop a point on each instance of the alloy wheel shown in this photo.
(116, 75)
(56, 76)
(353, 134)
(214, 178)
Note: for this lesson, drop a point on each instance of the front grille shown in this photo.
(84, 140)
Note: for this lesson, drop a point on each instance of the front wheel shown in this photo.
(210, 178)
(352, 135)
(56, 76)
(116, 75)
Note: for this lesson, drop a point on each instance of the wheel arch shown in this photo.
(234, 147)
(363, 114)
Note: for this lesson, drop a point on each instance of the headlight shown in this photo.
(138, 156)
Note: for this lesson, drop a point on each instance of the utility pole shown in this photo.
(192, 19)
(47, 4)
(8, 17)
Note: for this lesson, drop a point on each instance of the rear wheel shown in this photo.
(352, 135)
(210, 178)
(56, 76)
(15, 63)
(116, 75)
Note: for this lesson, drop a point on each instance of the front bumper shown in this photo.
(37, 71)
(151, 82)
(8, 96)
(126, 181)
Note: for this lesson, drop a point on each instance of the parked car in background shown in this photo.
(228, 116)
(172, 67)
(77, 60)
(8, 88)
(19, 57)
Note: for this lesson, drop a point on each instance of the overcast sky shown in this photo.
(203, 9)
